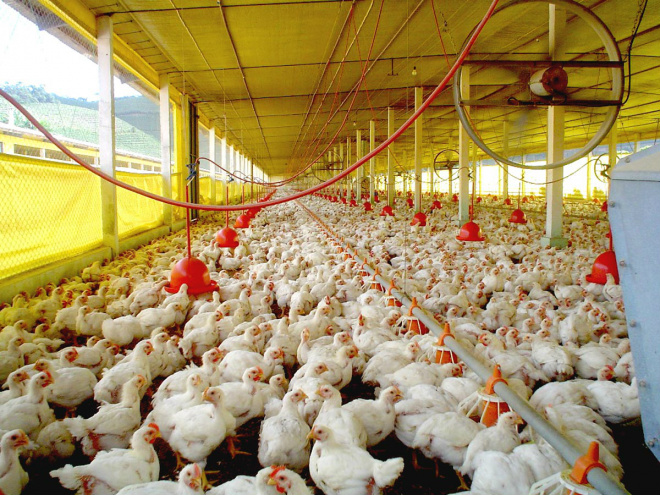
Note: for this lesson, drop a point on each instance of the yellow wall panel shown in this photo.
(49, 211)
(136, 213)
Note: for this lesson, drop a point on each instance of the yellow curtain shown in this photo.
(136, 213)
(49, 211)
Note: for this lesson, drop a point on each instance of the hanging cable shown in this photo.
(381, 147)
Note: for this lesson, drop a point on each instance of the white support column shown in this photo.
(612, 142)
(348, 151)
(372, 166)
(225, 165)
(475, 178)
(391, 193)
(505, 154)
(165, 146)
(212, 167)
(589, 195)
(554, 189)
(359, 153)
(418, 152)
(252, 181)
(463, 159)
(107, 132)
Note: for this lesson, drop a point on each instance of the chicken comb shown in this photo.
(197, 472)
(275, 470)
(154, 426)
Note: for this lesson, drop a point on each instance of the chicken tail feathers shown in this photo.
(386, 472)
(68, 477)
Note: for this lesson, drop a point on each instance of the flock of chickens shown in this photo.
(293, 322)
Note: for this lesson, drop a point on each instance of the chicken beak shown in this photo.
(22, 440)
(310, 435)
(271, 481)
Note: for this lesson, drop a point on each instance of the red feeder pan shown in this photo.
(376, 199)
(419, 219)
(603, 207)
(479, 199)
(352, 203)
(470, 232)
(242, 222)
(437, 205)
(194, 274)
(227, 238)
(367, 206)
(517, 216)
(454, 198)
(605, 263)
(508, 202)
(386, 211)
(410, 202)
(343, 199)
(525, 199)
(494, 198)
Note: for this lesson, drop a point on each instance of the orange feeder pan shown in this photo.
(390, 300)
(517, 216)
(470, 232)
(494, 406)
(444, 355)
(386, 211)
(375, 284)
(414, 325)
(194, 274)
(242, 221)
(227, 238)
(418, 219)
(605, 263)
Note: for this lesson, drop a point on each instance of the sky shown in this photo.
(36, 58)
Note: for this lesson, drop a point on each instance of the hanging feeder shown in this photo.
(375, 284)
(572, 482)
(454, 198)
(443, 354)
(518, 216)
(419, 219)
(605, 263)
(389, 299)
(376, 199)
(479, 199)
(386, 211)
(343, 199)
(190, 271)
(508, 202)
(603, 207)
(352, 203)
(227, 237)
(410, 202)
(525, 199)
(436, 205)
(367, 206)
(363, 270)
(242, 221)
(493, 405)
(413, 324)
(470, 232)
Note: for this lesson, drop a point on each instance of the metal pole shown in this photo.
(463, 159)
(372, 145)
(165, 146)
(418, 153)
(391, 193)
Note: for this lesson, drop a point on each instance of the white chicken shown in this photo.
(200, 429)
(283, 437)
(112, 470)
(13, 477)
(377, 416)
(242, 399)
(109, 387)
(113, 424)
(71, 385)
(502, 437)
(346, 425)
(29, 412)
(190, 483)
(123, 330)
(235, 363)
(340, 469)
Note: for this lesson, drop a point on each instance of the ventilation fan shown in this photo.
(504, 91)
(445, 160)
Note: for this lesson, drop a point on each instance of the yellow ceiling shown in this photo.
(280, 72)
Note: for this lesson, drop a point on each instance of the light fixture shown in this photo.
(414, 71)
(354, 124)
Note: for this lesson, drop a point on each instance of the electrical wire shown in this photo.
(381, 147)
(632, 40)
